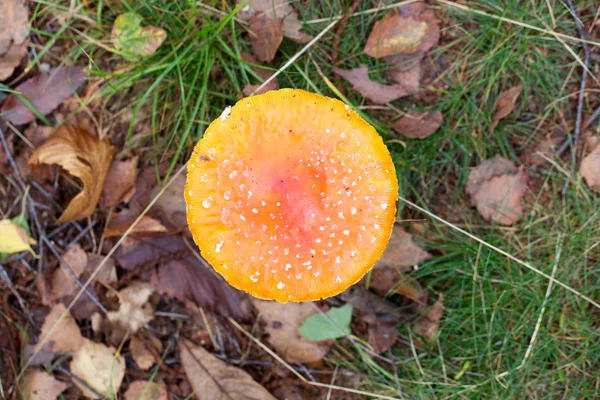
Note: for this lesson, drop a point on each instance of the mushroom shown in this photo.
(291, 196)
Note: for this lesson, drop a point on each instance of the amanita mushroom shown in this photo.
(291, 196)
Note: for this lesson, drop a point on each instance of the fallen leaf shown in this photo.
(45, 91)
(134, 309)
(318, 327)
(214, 379)
(402, 251)
(497, 188)
(119, 182)
(500, 198)
(485, 171)
(82, 155)
(428, 325)
(14, 238)
(63, 283)
(40, 385)
(11, 59)
(374, 91)
(283, 322)
(590, 168)
(65, 338)
(146, 226)
(367, 302)
(172, 202)
(99, 366)
(391, 279)
(505, 104)
(249, 90)
(409, 79)
(186, 278)
(144, 390)
(419, 125)
(14, 24)
(382, 335)
(140, 354)
(133, 41)
(276, 9)
(266, 35)
(412, 29)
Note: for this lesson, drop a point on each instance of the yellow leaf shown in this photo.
(13, 238)
(84, 156)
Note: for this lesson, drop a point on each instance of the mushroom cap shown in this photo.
(291, 196)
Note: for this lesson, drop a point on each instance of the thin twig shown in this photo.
(584, 74)
(21, 301)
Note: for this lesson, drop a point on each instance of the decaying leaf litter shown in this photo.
(155, 296)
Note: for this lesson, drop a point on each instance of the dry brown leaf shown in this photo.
(65, 338)
(374, 91)
(119, 182)
(140, 354)
(266, 35)
(11, 59)
(500, 198)
(282, 324)
(413, 29)
(428, 325)
(45, 92)
(144, 390)
(505, 104)
(410, 79)
(40, 385)
(276, 9)
(419, 125)
(83, 156)
(134, 309)
(63, 283)
(382, 336)
(214, 379)
(590, 168)
(497, 188)
(367, 302)
(485, 171)
(387, 279)
(263, 73)
(147, 226)
(172, 203)
(98, 366)
(402, 251)
(14, 24)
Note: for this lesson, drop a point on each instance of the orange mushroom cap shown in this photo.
(291, 196)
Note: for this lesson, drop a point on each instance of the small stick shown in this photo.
(584, 74)
(14, 291)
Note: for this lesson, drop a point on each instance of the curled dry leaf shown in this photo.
(428, 325)
(99, 366)
(266, 35)
(134, 309)
(65, 338)
(45, 91)
(276, 9)
(374, 91)
(83, 156)
(40, 385)
(14, 238)
(497, 188)
(134, 41)
(419, 125)
(146, 226)
(282, 324)
(505, 104)
(214, 379)
(144, 390)
(265, 74)
(120, 182)
(590, 168)
(412, 29)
